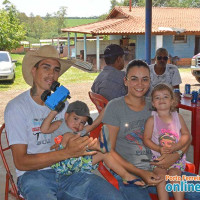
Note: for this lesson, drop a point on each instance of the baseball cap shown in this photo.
(81, 109)
(113, 50)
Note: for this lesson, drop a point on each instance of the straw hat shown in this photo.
(44, 52)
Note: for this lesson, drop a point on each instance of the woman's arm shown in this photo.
(185, 138)
(96, 122)
(48, 126)
(148, 135)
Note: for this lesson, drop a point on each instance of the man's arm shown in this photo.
(76, 147)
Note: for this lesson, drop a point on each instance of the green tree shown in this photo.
(50, 28)
(113, 4)
(158, 3)
(126, 3)
(102, 17)
(38, 27)
(190, 3)
(60, 18)
(11, 31)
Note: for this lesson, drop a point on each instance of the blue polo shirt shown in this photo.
(110, 83)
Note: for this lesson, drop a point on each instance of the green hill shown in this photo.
(79, 21)
(76, 22)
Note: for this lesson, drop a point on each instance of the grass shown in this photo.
(184, 69)
(72, 75)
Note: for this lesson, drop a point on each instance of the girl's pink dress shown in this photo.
(164, 134)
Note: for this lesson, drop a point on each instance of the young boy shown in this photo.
(76, 116)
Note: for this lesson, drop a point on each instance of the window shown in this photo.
(4, 57)
(180, 39)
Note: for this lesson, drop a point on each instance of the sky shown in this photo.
(75, 8)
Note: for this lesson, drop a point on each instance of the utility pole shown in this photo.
(148, 25)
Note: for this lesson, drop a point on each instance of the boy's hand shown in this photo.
(65, 138)
(54, 112)
(55, 146)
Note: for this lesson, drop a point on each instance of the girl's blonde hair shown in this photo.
(161, 87)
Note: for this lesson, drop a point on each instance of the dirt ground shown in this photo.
(80, 92)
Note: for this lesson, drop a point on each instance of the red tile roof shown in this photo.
(121, 21)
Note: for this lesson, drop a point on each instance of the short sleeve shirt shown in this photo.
(110, 83)
(23, 118)
(171, 76)
(129, 142)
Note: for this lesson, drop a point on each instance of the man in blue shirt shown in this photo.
(110, 82)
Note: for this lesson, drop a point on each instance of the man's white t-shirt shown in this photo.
(23, 118)
(171, 76)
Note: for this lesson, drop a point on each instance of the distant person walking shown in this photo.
(61, 49)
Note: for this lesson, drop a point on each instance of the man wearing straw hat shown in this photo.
(31, 149)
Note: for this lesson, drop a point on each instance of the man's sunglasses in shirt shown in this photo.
(162, 58)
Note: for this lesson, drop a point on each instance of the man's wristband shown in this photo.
(180, 153)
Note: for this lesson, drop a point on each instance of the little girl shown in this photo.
(166, 132)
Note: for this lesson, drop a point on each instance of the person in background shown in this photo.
(31, 148)
(166, 132)
(110, 82)
(61, 49)
(162, 72)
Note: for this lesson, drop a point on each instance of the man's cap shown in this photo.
(113, 50)
(45, 52)
(81, 109)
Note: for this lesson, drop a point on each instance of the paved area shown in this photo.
(186, 115)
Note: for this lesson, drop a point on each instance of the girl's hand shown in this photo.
(164, 150)
(173, 147)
